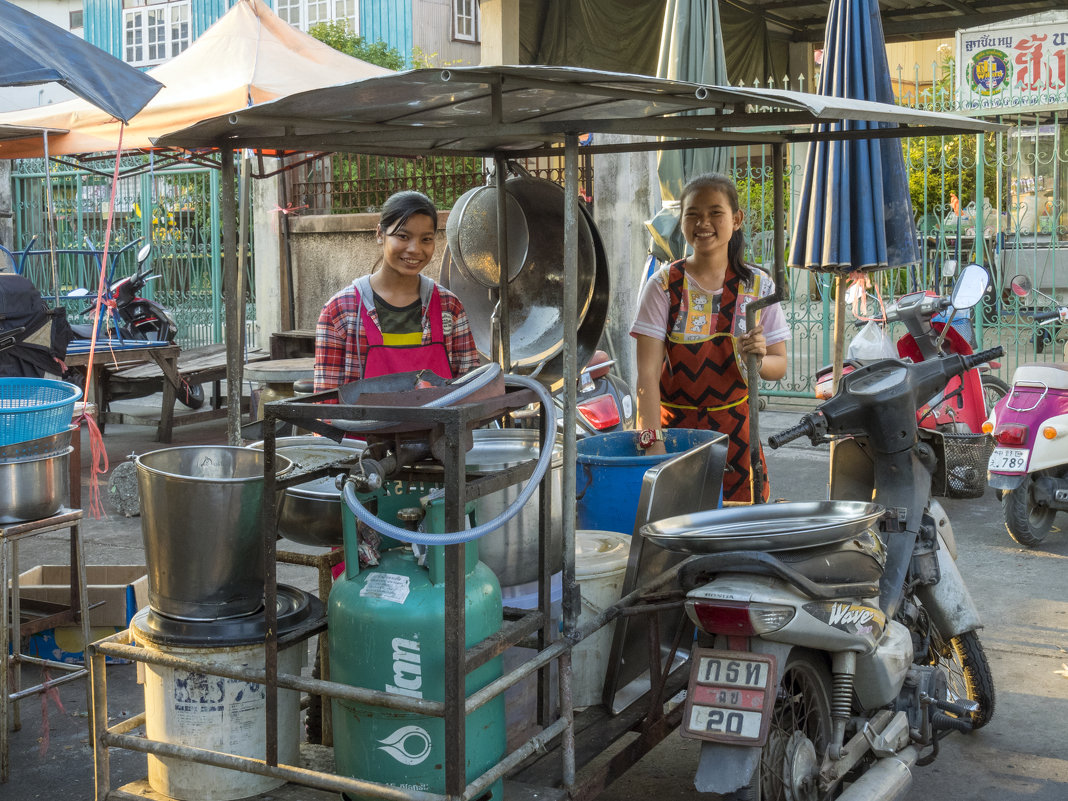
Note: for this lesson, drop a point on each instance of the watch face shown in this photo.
(646, 438)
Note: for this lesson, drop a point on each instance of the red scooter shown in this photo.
(962, 406)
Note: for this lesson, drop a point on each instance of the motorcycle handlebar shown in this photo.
(1041, 317)
(805, 427)
(983, 356)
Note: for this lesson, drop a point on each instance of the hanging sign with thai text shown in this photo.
(1015, 66)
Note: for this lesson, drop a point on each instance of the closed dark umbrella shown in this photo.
(854, 211)
(34, 51)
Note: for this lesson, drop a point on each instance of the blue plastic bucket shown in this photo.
(610, 469)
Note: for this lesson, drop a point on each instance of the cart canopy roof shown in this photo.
(525, 110)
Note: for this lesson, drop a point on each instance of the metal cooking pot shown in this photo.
(35, 487)
(512, 551)
(535, 292)
(201, 508)
(311, 512)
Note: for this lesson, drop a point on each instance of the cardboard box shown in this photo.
(123, 589)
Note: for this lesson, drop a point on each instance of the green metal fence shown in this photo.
(177, 210)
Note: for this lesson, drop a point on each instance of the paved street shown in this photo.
(1020, 756)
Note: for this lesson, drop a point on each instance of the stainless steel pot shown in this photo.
(201, 509)
(512, 551)
(35, 487)
(311, 512)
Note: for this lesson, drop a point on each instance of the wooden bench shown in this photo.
(202, 365)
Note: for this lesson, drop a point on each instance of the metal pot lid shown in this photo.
(295, 607)
(764, 527)
(471, 230)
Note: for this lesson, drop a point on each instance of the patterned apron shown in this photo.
(702, 385)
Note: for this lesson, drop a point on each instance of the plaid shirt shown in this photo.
(341, 342)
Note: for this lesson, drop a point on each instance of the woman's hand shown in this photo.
(754, 342)
(771, 360)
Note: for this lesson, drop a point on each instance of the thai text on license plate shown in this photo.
(730, 697)
(1008, 460)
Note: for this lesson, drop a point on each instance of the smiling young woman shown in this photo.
(692, 342)
(396, 319)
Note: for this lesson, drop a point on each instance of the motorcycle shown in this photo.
(963, 405)
(604, 402)
(837, 641)
(1029, 463)
(137, 319)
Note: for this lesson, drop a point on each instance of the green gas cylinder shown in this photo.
(387, 630)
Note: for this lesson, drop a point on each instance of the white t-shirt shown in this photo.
(700, 308)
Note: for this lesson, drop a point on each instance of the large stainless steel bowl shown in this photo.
(512, 551)
(35, 487)
(310, 513)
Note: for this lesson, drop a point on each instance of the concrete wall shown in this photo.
(626, 194)
(330, 251)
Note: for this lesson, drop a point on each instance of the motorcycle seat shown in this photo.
(858, 559)
(1054, 376)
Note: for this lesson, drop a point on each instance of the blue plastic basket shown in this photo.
(34, 407)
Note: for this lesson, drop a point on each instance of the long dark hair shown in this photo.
(401, 206)
(736, 245)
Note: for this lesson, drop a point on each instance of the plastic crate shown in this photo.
(34, 407)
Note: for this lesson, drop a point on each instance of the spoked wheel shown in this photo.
(800, 731)
(1028, 521)
(994, 389)
(967, 672)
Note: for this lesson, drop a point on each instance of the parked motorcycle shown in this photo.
(963, 405)
(1029, 464)
(137, 319)
(837, 640)
(604, 402)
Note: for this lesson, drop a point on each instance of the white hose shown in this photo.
(456, 537)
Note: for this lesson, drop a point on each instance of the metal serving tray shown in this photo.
(765, 527)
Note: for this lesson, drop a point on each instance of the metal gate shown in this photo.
(177, 210)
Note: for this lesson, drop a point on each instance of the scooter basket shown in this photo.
(962, 464)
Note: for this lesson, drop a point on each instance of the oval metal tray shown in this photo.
(765, 527)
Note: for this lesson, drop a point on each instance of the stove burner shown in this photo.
(295, 607)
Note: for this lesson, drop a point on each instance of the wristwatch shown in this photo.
(648, 436)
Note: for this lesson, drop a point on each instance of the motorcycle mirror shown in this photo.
(142, 254)
(1021, 286)
(970, 286)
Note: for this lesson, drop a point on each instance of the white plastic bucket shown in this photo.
(218, 714)
(600, 567)
(521, 700)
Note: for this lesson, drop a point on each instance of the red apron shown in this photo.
(385, 360)
(702, 386)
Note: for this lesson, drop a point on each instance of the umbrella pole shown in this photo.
(757, 479)
(230, 299)
(839, 330)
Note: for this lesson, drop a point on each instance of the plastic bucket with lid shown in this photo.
(600, 567)
(610, 469)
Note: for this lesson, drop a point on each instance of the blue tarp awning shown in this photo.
(34, 51)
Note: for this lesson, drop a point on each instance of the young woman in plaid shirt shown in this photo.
(396, 319)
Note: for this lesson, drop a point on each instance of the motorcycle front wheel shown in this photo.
(798, 737)
(968, 672)
(1027, 521)
(994, 389)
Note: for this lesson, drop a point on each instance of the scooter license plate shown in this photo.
(730, 697)
(1007, 460)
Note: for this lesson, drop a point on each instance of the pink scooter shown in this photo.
(1029, 464)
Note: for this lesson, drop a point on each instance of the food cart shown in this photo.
(499, 113)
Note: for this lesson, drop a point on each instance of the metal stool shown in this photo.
(12, 630)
